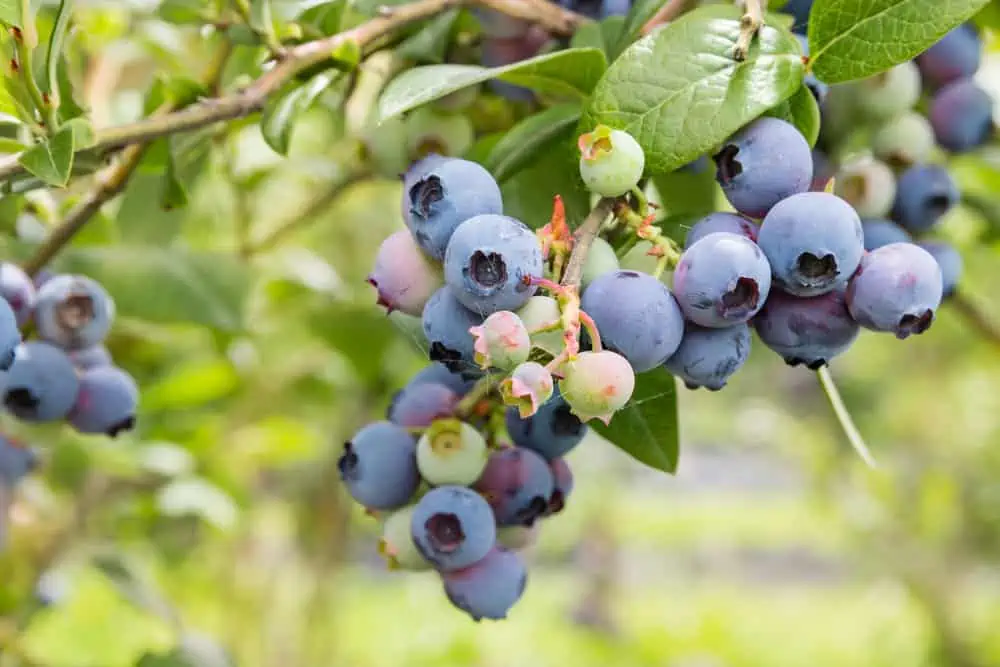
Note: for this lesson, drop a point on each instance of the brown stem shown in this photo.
(583, 239)
(986, 327)
(750, 23)
(667, 13)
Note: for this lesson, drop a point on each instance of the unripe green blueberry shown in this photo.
(431, 131)
(527, 388)
(451, 452)
(597, 384)
(892, 92)
(639, 259)
(517, 538)
(611, 161)
(396, 545)
(502, 341)
(538, 312)
(866, 184)
(601, 259)
(904, 140)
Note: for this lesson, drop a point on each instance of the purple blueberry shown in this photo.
(489, 588)
(16, 461)
(950, 261)
(90, 357)
(453, 527)
(636, 316)
(733, 223)
(417, 406)
(403, 275)
(10, 335)
(765, 162)
(444, 194)
(709, 357)
(962, 116)
(924, 193)
(73, 312)
(562, 478)
(897, 288)
(379, 466)
(806, 330)
(879, 232)
(722, 280)
(106, 402)
(552, 431)
(18, 290)
(41, 385)
(489, 261)
(813, 242)
(446, 324)
(497, 52)
(954, 56)
(517, 484)
(823, 171)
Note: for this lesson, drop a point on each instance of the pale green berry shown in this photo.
(527, 388)
(538, 313)
(639, 259)
(905, 140)
(396, 545)
(518, 537)
(431, 131)
(601, 259)
(611, 161)
(866, 184)
(501, 341)
(597, 384)
(889, 93)
(451, 452)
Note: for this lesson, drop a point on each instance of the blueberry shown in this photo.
(501, 341)
(709, 357)
(636, 316)
(806, 330)
(404, 277)
(379, 466)
(18, 290)
(950, 261)
(397, 546)
(884, 95)
(42, 385)
(527, 388)
(696, 166)
(10, 335)
(489, 588)
(904, 140)
(497, 52)
(924, 193)
(823, 171)
(799, 9)
(897, 288)
(73, 312)
(540, 312)
(438, 373)
(762, 164)
(600, 260)
(722, 280)
(611, 161)
(446, 324)
(732, 223)
(16, 461)
(815, 86)
(453, 527)
(878, 232)
(615, 8)
(106, 402)
(962, 116)
(562, 477)
(868, 185)
(90, 357)
(443, 197)
(954, 56)
(489, 262)
(451, 452)
(517, 483)
(552, 431)
(596, 385)
(418, 405)
(813, 242)
(431, 131)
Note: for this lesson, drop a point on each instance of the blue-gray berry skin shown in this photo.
(106, 402)
(379, 466)
(709, 357)
(954, 56)
(489, 588)
(517, 483)
(90, 357)
(437, 373)
(962, 116)
(636, 316)
(446, 324)
(10, 335)
(762, 164)
(42, 385)
(16, 461)
(879, 232)
(419, 405)
(18, 291)
(720, 222)
(553, 431)
(722, 280)
(806, 330)
(73, 312)
(562, 477)
(897, 289)
(815, 86)
(453, 527)
(799, 9)
(813, 241)
(950, 261)
(445, 195)
(490, 260)
(924, 193)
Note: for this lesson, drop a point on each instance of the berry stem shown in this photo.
(584, 238)
(642, 228)
(595, 336)
(479, 392)
(750, 23)
(844, 417)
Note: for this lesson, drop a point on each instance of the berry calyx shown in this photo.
(527, 388)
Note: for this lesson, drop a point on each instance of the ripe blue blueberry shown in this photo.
(879, 232)
(709, 357)
(962, 116)
(90, 357)
(42, 384)
(897, 288)
(562, 477)
(806, 330)
(722, 280)
(18, 290)
(444, 196)
(799, 9)
(403, 275)
(438, 373)
(489, 261)
(884, 95)
(517, 484)
(453, 527)
(815, 86)
(813, 242)
(489, 588)
(379, 466)
(16, 461)
(950, 261)
(721, 222)
(73, 312)
(904, 140)
(867, 185)
(10, 335)
(552, 431)
(765, 162)
(924, 193)
(419, 405)
(446, 324)
(106, 402)
(954, 56)
(823, 171)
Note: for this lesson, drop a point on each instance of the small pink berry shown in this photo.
(404, 277)
(527, 388)
(502, 341)
(597, 384)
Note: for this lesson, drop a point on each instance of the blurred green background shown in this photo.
(218, 532)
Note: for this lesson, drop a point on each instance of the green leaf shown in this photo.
(690, 190)
(54, 50)
(10, 12)
(324, 19)
(361, 334)
(526, 140)
(260, 16)
(647, 429)
(802, 111)
(680, 93)
(571, 73)
(83, 133)
(52, 160)
(187, 158)
(10, 146)
(604, 35)
(283, 110)
(854, 39)
(430, 44)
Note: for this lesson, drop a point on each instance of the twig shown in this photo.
(976, 317)
(583, 239)
(844, 417)
(750, 23)
(667, 13)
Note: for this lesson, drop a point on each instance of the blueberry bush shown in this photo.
(279, 271)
